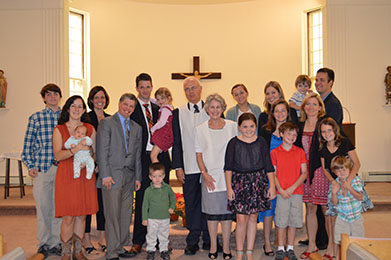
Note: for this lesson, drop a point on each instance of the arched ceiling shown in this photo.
(190, 2)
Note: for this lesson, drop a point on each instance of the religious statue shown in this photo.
(196, 72)
(197, 75)
(387, 81)
(3, 89)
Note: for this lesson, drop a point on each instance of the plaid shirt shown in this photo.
(348, 207)
(38, 141)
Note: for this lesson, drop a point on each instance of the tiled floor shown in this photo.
(19, 230)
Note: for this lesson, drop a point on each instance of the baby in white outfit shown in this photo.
(82, 156)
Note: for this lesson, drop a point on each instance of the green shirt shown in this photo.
(157, 201)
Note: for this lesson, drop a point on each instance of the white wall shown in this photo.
(358, 41)
(32, 54)
(250, 42)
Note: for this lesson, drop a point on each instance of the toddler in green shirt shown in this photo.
(159, 202)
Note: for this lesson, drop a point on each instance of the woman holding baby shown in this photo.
(74, 198)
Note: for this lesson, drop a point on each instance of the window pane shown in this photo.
(315, 42)
(317, 67)
(316, 57)
(76, 65)
(315, 18)
(316, 32)
(76, 87)
(77, 77)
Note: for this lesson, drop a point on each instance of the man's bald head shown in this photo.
(192, 88)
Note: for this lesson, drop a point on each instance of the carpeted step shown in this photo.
(17, 210)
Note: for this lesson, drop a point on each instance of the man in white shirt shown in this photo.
(185, 119)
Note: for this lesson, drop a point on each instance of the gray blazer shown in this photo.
(111, 153)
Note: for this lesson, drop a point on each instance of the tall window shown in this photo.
(315, 42)
(78, 54)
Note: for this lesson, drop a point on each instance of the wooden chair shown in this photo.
(7, 185)
(371, 248)
(315, 256)
(17, 253)
(1, 245)
(37, 256)
(358, 248)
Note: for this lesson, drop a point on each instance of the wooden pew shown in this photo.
(380, 248)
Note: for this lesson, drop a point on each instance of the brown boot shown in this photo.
(77, 248)
(66, 249)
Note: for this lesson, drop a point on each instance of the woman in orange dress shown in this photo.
(74, 198)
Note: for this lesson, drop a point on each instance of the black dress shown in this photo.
(100, 217)
(249, 163)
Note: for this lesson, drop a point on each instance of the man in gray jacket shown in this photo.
(119, 160)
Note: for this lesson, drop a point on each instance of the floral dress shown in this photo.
(317, 191)
(249, 163)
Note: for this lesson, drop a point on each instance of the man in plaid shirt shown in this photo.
(39, 158)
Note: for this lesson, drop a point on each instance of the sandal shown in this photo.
(239, 252)
(212, 255)
(249, 252)
(102, 247)
(306, 254)
(270, 253)
(91, 250)
(227, 256)
(329, 257)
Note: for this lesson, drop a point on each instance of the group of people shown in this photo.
(248, 166)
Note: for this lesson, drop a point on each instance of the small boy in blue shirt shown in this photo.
(159, 202)
(303, 87)
(347, 199)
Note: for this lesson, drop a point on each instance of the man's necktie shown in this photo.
(127, 132)
(149, 116)
(196, 110)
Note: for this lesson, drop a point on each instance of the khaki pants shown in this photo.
(355, 228)
(158, 229)
(48, 226)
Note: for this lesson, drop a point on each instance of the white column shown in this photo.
(55, 43)
(335, 44)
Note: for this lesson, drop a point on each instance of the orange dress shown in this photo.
(74, 197)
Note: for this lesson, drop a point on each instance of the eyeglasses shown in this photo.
(192, 88)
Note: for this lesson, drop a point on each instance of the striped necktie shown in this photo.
(196, 109)
(127, 132)
(149, 116)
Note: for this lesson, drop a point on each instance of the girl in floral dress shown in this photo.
(248, 168)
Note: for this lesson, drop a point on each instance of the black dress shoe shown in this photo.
(303, 242)
(191, 250)
(127, 254)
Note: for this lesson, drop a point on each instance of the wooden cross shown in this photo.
(196, 72)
